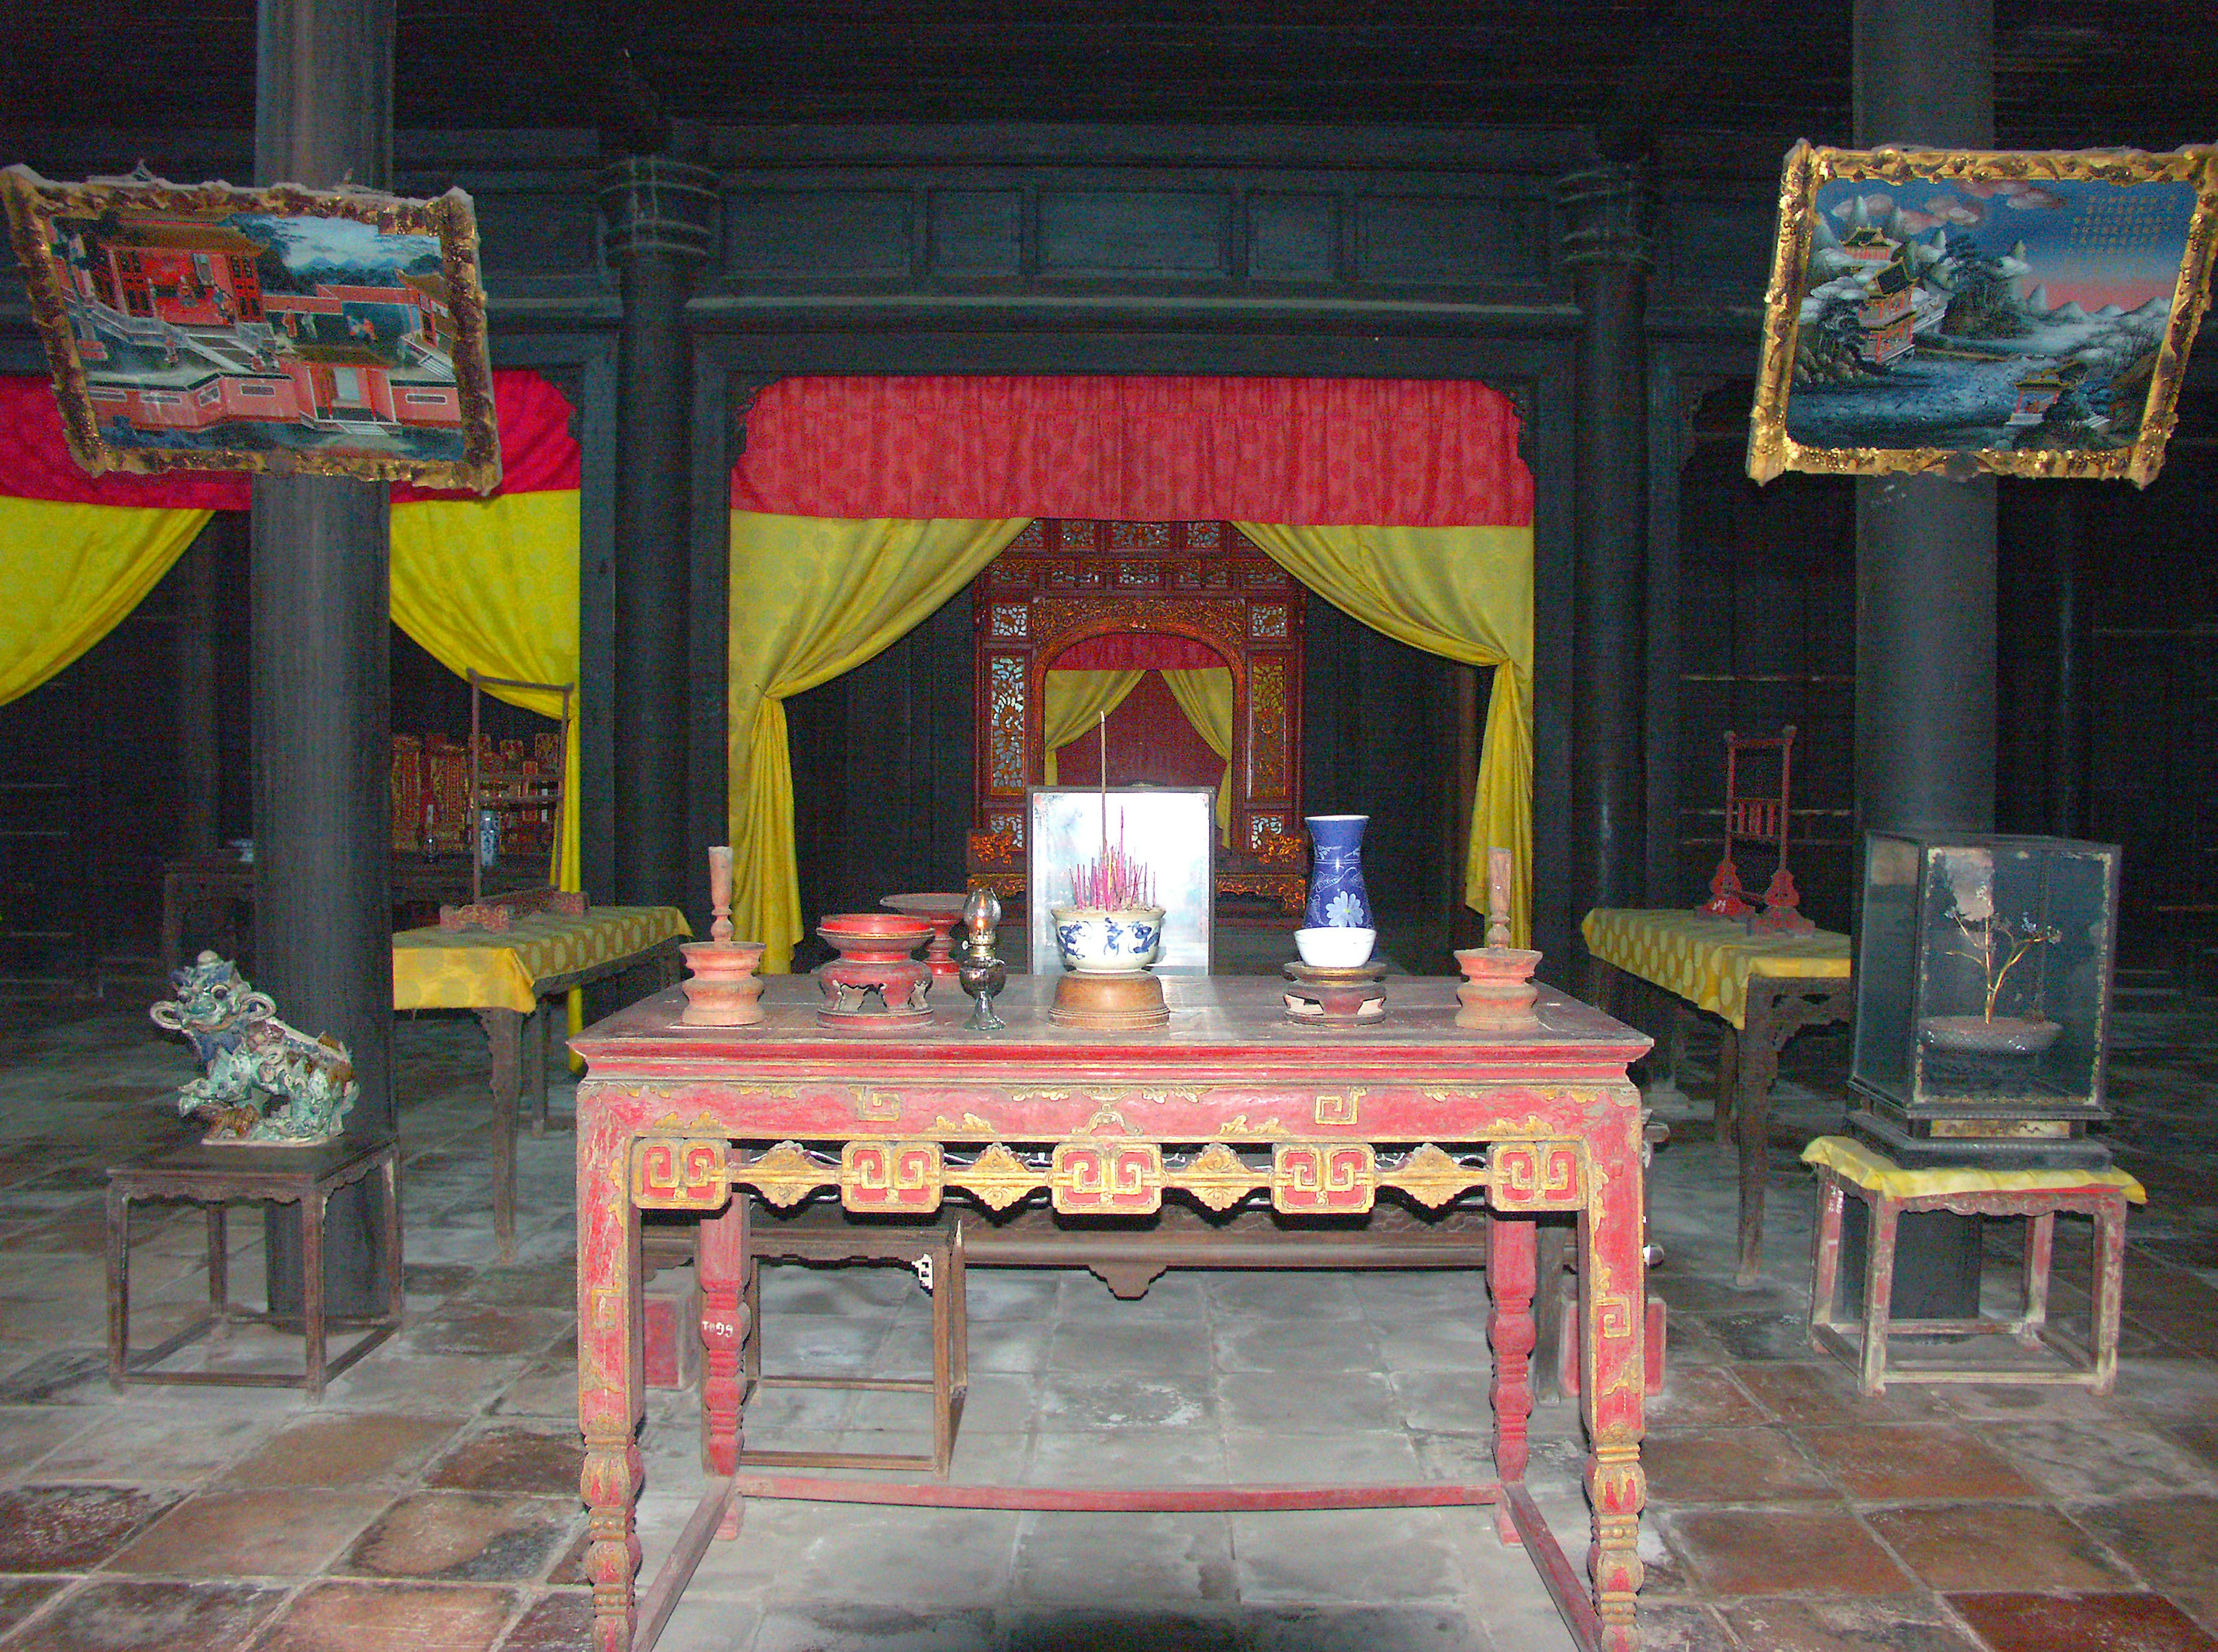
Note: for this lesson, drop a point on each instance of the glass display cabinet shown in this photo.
(1983, 983)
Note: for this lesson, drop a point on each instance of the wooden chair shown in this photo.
(1758, 817)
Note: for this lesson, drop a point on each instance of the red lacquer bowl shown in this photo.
(873, 936)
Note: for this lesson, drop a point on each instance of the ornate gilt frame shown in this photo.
(33, 203)
(1809, 168)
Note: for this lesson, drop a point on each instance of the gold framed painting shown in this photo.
(2022, 313)
(285, 330)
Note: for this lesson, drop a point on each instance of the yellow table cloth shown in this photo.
(435, 968)
(1708, 961)
(1854, 1162)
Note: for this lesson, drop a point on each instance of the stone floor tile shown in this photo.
(1825, 1393)
(145, 1615)
(1081, 1399)
(440, 1385)
(28, 1433)
(2084, 1623)
(1178, 1297)
(548, 1388)
(1277, 1293)
(1113, 1560)
(344, 1450)
(339, 1617)
(1702, 1397)
(1786, 1551)
(146, 1447)
(2077, 1461)
(1325, 1402)
(287, 1532)
(20, 1597)
(463, 1537)
(1191, 1457)
(1275, 1345)
(1267, 1457)
(560, 1620)
(73, 1528)
(1682, 1626)
(1139, 1349)
(477, 1328)
(68, 1374)
(842, 1629)
(1898, 1461)
(912, 1557)
(1359, 1557)
(2199, 1438)
(534, 1462)
(1799, 1625)
(2172, 1542)
(1731, 1465)
(1373, 1629)
(1996, 1545)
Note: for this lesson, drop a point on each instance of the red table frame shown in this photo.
(1232, 1098)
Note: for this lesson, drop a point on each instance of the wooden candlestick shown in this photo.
(1497, 897)
(1498, 994)
(719, 891)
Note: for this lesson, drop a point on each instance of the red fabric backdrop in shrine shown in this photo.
(1151, 744)
(1378, 451)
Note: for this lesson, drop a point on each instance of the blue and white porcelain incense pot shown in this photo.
(1096, 941)
(1337, 897)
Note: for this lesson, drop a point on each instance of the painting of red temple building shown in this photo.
(278, 330)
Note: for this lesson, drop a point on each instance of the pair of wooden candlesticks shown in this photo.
(1498, 994)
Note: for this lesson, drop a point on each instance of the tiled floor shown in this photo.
(430, 1502)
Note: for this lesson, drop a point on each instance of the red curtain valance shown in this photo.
(538, 454)
(1376, 452)
(1138, 650)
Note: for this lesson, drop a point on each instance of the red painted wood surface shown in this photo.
(1337, 1111)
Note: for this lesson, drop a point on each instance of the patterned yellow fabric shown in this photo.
(1852, 1162)
(1707, 961)
(481, 969)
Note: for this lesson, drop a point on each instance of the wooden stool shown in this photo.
(1844, 1167)
(936, 1251)
(216, 1176)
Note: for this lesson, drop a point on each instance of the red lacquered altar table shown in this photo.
(1231, 1099)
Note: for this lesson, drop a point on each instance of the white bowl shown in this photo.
(1095, 942)
(1335, 949)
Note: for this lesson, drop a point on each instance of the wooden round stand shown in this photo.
(1119, 1003)
(1498, 994)
(874, 962)
(941, 912)
(724, 988)
(1319, 996)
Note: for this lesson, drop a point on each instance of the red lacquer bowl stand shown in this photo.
(874, 966)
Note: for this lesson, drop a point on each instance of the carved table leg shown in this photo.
(503, 1032)
(535, 1061)
(1510, 1269)
(609, 1403)
(720, 1248)
(311, 1287)
(1613, 1388)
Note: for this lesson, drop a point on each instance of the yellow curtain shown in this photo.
(1465, 593)
(1075, 701)
(811, 597)
(70, 573)
(490, 586)
(1205, 697)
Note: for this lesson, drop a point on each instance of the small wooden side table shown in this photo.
(216, 1177)
(1847, 1169)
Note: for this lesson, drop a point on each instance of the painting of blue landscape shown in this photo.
(2011, 315)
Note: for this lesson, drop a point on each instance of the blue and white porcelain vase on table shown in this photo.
(1337, 897)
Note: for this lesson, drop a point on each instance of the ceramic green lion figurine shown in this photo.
(267, 1082)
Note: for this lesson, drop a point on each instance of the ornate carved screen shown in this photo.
(1064, 583)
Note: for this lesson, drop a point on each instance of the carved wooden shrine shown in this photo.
(1225, 1106)
(1062, 584)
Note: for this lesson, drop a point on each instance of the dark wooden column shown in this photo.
(1606, 210)
(322, 671)
(1925, 570)
(2068, 749)
(657, 213)
(1925, 545)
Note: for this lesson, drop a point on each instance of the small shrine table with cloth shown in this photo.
(1232, 1099)
(1765, 987)
(208, 881)
(506, 976)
